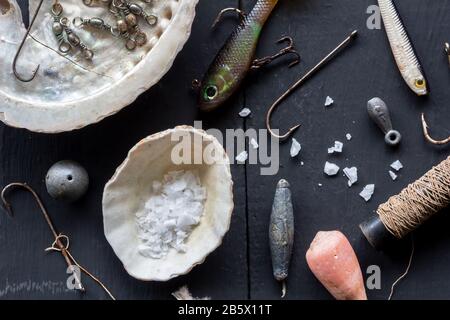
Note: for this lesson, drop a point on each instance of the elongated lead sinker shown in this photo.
(281, 232)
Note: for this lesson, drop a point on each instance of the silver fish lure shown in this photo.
(281, 232)
(402, 48)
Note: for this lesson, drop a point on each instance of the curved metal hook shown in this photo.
(58, 243)
(309, 74)
(25, 186)
(269, 115)
(427, 134)
(16, 57)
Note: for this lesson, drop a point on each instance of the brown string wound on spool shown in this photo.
(408, 210)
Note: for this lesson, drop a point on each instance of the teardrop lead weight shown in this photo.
(379, 113)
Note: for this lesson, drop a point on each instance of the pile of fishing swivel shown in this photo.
(125, 26)
(126, 21)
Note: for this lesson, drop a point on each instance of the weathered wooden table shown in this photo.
(241, 267)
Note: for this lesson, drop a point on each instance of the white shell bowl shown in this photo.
(70, 92)
(129, 188)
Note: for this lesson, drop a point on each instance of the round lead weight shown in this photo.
(67, 180)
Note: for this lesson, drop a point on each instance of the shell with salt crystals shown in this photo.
(70, 92)
(128, 189)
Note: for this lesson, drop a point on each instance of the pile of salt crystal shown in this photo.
(174, 208)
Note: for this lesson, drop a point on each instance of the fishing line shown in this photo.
(418, 202)
(405, 212)
(394, 284)
(408, 210)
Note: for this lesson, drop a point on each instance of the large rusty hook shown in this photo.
(308, 75)
(59, 244)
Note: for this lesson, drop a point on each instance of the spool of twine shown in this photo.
(418, 202)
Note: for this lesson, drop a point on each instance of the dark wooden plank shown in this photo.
(365, 70)
(27, 272)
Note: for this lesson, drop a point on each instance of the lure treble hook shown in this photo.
(22, 43)
(308, 75)
(290, 49)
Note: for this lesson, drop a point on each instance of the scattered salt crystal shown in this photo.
(367, 192)
(174, 208)
(331, 169)
(245, 112)
(242, 157)
(393, 175)
(348, 136)
(254, 143)
(338, 147)
(320, 185)
(295, 148)
(397, 165)
(352, 175)
(328, 101)
(302, 163)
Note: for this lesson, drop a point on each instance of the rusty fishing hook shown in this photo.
(58, 245)
(22, 43)
(62, 248)
(427, 134)
(308, 75)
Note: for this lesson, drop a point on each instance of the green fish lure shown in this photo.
(236, 58)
